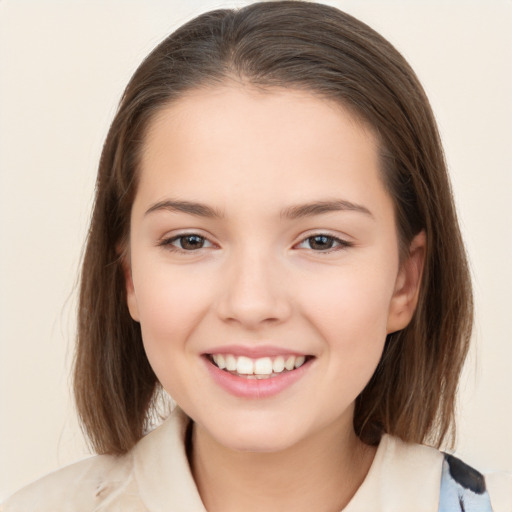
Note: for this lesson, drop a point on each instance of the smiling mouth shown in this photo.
(261, 368)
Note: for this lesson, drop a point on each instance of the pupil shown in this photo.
(321, 242)
(191, 242)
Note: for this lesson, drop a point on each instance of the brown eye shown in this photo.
(191, 242)
(321, 242)
(185, 243)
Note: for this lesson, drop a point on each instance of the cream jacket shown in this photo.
(155, 477)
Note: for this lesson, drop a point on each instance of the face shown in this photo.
(264, 266)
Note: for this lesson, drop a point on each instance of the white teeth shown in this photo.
(299, 361)
(244, 366)
(290, 363)
(263, 367)
(230, 363)
(220, 361)
(278, 364)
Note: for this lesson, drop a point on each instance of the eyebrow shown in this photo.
(319, 207)
(290, 212)
(190, 207)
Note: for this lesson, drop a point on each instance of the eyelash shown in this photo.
(342, 244)
(168, 243)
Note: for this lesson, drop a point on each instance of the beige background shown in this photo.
(63, 66)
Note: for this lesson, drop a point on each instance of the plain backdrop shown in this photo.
(63, 66)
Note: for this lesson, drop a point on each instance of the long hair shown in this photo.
(312, 47)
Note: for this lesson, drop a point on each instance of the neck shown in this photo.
(320, 473)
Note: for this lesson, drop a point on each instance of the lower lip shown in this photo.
(255, 388)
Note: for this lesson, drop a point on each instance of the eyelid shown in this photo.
(166, 242)
(342, 242)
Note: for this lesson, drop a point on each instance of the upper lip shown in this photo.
(255, 352)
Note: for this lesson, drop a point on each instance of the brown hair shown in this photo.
(323, 50)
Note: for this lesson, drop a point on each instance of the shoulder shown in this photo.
(82, 486)
(408, 476)
(462, 487)
(153, 475)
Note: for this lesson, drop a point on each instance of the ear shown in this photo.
(407, 285)
(131, 299)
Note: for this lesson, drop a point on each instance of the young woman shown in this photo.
(274, 245)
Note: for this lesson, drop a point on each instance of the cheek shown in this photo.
(170, 307)
(354, 299)
(350, 312)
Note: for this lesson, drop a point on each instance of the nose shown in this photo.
(254, 291)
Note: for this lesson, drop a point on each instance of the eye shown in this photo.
(324, 243)
(186, 242)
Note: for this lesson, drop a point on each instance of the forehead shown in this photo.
(227, 108)
(273, 143)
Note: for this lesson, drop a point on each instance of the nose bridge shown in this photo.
(254, 289)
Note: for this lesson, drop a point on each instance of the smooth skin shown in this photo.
(248, 272)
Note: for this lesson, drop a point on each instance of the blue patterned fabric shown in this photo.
(462, 488)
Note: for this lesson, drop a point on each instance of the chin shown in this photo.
(257, 436)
